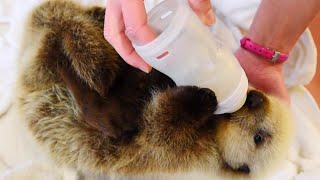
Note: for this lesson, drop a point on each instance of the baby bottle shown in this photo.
(187, 52)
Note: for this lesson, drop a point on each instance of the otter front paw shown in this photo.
(184, 106)
(195, 99)
(207, 99)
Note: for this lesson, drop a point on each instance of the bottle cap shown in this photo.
(237, 99)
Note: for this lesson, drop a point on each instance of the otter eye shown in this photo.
(258, 139)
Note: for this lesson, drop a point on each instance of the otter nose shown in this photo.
(244, 168)
(254, 99)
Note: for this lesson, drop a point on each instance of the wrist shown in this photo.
(252, 63)
(263, 74)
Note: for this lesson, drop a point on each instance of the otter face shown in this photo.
(182, 129)
(252, 139)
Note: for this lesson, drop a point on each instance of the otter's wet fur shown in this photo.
(93, 112)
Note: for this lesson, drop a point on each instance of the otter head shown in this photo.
(252, 140)
(183, 134)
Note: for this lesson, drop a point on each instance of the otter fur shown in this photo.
(94, 113)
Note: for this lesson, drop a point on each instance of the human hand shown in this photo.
(263, 75)
(127, 18)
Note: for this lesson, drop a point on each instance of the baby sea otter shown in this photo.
(95, 113)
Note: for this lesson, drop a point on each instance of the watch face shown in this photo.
(275, 56)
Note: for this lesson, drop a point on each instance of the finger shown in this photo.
(127, 52)
(204, 10)
(135, 20)
(114, 33)
(113, 23)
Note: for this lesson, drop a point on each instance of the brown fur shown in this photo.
(93, 112)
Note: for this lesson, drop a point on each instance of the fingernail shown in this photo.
(211, 18)
(145, 69)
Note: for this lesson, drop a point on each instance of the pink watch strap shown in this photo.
(273, 56)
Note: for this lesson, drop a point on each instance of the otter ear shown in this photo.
(255, 99)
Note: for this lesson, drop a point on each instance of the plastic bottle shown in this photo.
(187, 52)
